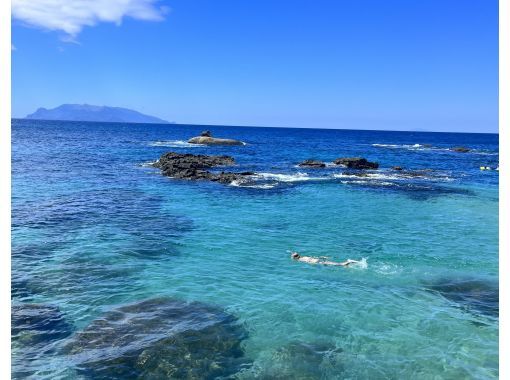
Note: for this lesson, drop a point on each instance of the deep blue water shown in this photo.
(94, 228)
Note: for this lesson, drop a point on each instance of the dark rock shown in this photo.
(356, 163)
(312, 164)
(461, 149)
(160, 338)
(190, 166)
(397, 168)
(206, 134)
(36, 323)
(209, 140)
(475, 295)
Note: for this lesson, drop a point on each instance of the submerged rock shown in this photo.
(160, 338)
(191, 166)
(356, 163)
(300, 360)
(475, 295)
(32, 324)
(397, 168)
(312, 164)
(206, 138)
(460, 149)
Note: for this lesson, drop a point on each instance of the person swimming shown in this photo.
(320, 260)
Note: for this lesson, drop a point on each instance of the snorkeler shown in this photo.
(320, 260)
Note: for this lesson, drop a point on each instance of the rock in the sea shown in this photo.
(206, 138)
(38, 323)
(474, 295)
(312, 164)
(160, 338)
(460, 149)
(397, 168)
(193, 167)
(356, 163)
(303, 361)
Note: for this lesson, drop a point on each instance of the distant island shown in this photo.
(87, 112)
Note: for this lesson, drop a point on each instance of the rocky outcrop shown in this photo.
(460, 149)
(206, 138)
(356, 163)
(397, 168)
(160, 338)
(193, 167)
(312, 164)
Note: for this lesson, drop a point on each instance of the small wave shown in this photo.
(484, 152)
(297, 177)
(376, 176)
(428, 147)
(253, 185)
(386, 145)
(370, 183)
(403, 146)
(148, 164)
(176, 144)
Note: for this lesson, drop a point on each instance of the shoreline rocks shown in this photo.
(356, 163)
(312, 164)
(193, 167)
(206, 138)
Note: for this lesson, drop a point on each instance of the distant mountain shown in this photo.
(87, 112)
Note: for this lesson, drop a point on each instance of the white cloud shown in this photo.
(70, 16)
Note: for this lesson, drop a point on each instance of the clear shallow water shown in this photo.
(94, 228)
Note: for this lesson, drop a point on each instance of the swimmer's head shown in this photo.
(295, 255)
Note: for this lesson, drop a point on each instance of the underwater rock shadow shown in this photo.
(416, 192)
(303, 361)
(160, 338)
(35, 328)
(38, 323)
(125, 207)
(471, 294)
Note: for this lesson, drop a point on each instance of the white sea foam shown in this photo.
(297, 177)
(253, 185)
(148, 164)
(361, 264)
(388, 269)
(176, 144)
(432, 148)
(403, 146)
(366, 176)
(386, 145)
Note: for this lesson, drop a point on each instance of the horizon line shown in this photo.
(253, 126)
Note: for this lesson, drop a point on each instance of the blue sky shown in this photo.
(358, 64)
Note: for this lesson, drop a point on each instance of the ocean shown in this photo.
(120, 272)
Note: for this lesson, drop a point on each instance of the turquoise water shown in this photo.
(93, 228)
